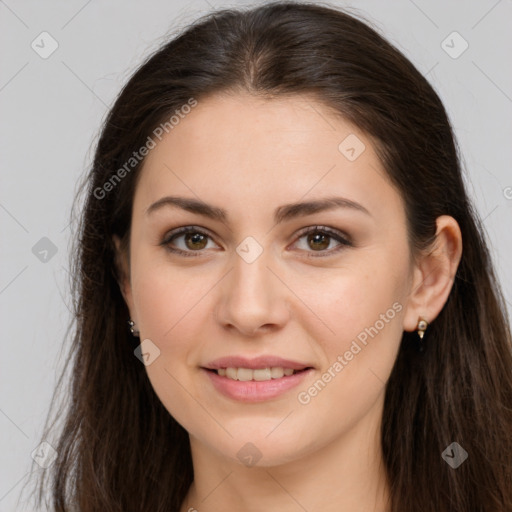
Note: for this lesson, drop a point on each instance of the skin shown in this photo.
(249, 156)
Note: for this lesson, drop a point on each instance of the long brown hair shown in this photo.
(118, 448)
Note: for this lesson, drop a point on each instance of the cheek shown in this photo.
(346, 301)
(172, 315)
(362, 307)
(165, 297)
(364, 311)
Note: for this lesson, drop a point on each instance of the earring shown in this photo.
(134, 331)
(422, 327)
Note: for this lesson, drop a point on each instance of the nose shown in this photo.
(253, 300)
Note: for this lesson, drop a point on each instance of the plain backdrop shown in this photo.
(52, 107)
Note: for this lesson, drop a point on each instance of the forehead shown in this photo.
(241, 124)
(283, 149)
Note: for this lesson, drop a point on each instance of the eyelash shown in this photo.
(334, 234)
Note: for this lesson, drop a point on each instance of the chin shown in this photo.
(253, 448)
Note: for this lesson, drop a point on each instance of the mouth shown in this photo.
(255, 380)
(256, 374)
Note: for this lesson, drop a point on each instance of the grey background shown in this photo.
(51, 111)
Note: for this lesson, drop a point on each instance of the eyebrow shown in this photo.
(281, 213)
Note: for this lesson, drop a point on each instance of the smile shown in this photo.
(255, 385)
(259, 374)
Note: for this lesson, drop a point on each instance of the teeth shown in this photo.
(244, 374)
(231, 373)
(276, 373)
(260, 374)
(265, 374)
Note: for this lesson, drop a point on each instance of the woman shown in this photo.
(276, 208)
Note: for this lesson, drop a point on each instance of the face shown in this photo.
(276, 317)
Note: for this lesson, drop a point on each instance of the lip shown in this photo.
(255, 363)
(254, 391)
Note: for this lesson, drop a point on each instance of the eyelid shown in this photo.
(325, 229)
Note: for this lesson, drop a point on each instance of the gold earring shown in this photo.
(422, 327)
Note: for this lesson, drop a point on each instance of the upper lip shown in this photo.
(255, 363)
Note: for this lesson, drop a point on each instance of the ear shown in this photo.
(123, 273)
(434, 274)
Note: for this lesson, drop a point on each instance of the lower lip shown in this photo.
(255, 391)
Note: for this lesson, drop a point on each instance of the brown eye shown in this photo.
(195, 241)
(187, 241)
(322, 240)
(318, 241)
